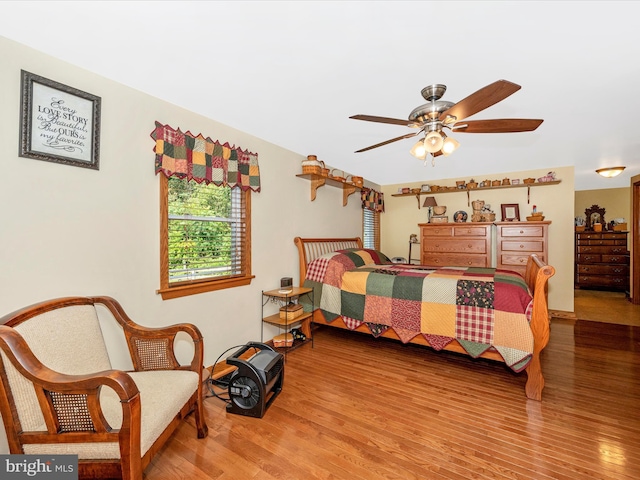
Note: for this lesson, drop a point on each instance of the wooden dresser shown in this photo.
(515, 241)
(455, 244)
(602, 260)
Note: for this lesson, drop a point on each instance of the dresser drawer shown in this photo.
(619, 259)
(515, 260)
(602, 249)
(602, 281)
(534, 231)
(454, 246)
(470, 231)
(589, 258)
(587, 236)
(444, 231)
(619, 270)
(523, 246)
(453, 260)
(603, 241)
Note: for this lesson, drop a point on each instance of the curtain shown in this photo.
(372, 200)
(204, 160)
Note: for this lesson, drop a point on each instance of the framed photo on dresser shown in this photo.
(510, 212)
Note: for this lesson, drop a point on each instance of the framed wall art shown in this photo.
(58, 123)
(510, 212)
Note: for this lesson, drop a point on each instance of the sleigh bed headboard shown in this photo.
(311, 248)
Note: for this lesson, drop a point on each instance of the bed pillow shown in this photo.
(330, 267)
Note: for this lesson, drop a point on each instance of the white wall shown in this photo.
(75, 231)
(402, 216)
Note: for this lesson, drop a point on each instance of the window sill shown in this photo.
(203, 287)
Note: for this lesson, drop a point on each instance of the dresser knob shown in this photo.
(522, 260)
(521, 231)
(469, 263)
(468, 246)
(521, 246)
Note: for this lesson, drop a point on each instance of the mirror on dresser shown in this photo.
(594, 214)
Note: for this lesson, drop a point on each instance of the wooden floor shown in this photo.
(354, 407)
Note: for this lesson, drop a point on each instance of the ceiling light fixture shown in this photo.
(610, 172)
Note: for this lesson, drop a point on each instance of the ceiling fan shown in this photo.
(431, 118)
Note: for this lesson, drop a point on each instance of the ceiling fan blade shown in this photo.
(408, 135)
(394, 121)
(502, 125)
(483, 98)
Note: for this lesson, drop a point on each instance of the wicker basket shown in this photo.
(290, 312)
(357, 181)
(311, 165)
(324, 171)
(529, 181)
(339, 178)
(283, 340)
(496, 183)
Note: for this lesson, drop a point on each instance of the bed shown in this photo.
(481, 312)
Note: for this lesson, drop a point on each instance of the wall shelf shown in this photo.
(468, 191)
(318, 181)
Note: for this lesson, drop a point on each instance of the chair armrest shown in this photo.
(152, 348)
(52, 387)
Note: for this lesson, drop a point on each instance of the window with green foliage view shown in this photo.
(206, 234)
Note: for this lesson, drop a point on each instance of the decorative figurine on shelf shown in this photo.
(487, 214)
(477, 205)
(460, 216)
(535, 209)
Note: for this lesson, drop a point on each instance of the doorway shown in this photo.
(635, 244)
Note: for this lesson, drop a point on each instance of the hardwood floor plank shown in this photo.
(356, 407)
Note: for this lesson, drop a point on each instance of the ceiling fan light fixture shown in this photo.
(610, 172)
(449, 146)
(433, 142)
(418, 150)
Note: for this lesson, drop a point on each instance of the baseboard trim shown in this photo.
(562, 314)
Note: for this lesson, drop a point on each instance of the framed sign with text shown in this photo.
(58, 123)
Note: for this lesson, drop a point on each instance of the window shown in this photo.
(371, 229)
(205, 237)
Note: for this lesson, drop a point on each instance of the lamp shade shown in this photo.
(418, 150)
(449, 146)
(610, 171)
(430, 202)
(433, 142)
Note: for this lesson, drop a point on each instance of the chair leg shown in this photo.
(201, 423)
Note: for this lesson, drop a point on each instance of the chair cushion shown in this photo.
(162, 394)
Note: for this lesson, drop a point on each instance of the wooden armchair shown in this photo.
(59, 394)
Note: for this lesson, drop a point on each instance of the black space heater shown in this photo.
(257, 382)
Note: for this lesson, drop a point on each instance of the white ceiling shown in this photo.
(292, 73)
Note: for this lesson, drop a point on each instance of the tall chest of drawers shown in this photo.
(602, 260)
(516, 241)
(455, 244)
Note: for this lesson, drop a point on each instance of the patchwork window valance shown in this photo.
(372, 200)
(204, 160)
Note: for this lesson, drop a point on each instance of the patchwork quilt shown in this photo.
(481, 308)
